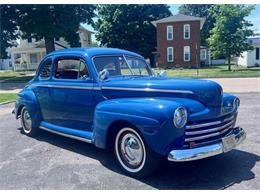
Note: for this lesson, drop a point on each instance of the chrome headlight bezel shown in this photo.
(236, 104)
(180, 117)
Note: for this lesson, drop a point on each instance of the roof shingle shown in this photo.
(179, 18)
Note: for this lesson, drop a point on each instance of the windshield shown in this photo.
(122, 65)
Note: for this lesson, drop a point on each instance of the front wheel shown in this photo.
(133, 155)
(26, 123)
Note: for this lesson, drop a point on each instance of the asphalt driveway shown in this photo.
(54, 162)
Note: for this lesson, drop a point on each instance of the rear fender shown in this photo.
(28, 99)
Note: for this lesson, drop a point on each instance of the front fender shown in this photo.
(152, 116)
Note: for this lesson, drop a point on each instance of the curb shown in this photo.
(7, 102)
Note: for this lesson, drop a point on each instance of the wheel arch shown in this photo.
(19, 109)
(114, 128)
(27, 98)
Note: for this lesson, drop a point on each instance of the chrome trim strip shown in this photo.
(207, 136)
(67, 87)
(182, 155)
(208, 130)
(208, 124)
(148, 90)
(66, 135)
(114, 88)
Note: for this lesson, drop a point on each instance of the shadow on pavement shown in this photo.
(217, 172)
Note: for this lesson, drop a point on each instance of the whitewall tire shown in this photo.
(132, 153)
(26, 122)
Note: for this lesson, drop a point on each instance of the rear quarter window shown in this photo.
(45, 71)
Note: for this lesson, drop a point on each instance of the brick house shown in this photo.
(178, 41)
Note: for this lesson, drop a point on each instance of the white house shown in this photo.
(252, 57)
(29, 52)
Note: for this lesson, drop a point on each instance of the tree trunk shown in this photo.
(49, 44)
(229, 64)
(152, 61)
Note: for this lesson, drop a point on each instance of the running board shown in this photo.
(84, 136)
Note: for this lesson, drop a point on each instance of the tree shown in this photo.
(8, 28)
(51, 21)
(231, 31)
(129, 26)
(200, 10)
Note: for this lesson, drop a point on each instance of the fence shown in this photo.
(23, 67)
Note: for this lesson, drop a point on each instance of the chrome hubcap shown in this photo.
(131, 150)
(27, 123)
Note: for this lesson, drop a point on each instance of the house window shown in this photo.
(257, 53)
(170, 54)
(203, 54)
(29, 40)
(186, 31)
(186, 52)
(89, 38)
(33, 58)
(169, 33)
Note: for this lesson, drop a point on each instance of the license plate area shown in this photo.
(228, 143)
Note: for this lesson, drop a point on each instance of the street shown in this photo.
(53, 162)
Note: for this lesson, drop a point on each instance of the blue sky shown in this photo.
(254, 16)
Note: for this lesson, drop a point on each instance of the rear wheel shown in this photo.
(133, 155)
(26, 123)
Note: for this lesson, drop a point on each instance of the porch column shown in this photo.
(27, 60)
(12, 61)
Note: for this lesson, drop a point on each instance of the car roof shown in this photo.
(90, 52)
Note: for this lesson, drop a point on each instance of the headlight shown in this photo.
(180, 117)
(236, 104)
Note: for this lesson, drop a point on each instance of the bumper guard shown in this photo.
(230, 141)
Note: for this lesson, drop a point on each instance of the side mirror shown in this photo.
(103, 75)
(163, 73)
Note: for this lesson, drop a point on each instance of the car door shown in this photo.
(41, 89)
(71, 93)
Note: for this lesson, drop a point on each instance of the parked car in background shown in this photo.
(111, 98)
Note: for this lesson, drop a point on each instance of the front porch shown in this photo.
(26, 58)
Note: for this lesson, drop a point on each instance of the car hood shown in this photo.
(207, 92)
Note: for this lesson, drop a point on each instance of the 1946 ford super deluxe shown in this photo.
(111, 98)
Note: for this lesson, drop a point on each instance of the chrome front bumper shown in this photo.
(234, 138)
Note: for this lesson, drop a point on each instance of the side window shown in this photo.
(203, 54)
(186, 30)
(257, 53)
(45, 71)
(170, 54)
(71, 69)
(186, 53)
(169, 33)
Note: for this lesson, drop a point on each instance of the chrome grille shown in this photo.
(203, 131)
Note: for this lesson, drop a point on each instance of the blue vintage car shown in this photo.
(111, 98)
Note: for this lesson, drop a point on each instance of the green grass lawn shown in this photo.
(204, 72)
(13, 76)
(7, 74)
(214, 72)
(7, 97)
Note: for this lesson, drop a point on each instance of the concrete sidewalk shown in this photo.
(239, 85)
(233, 85)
